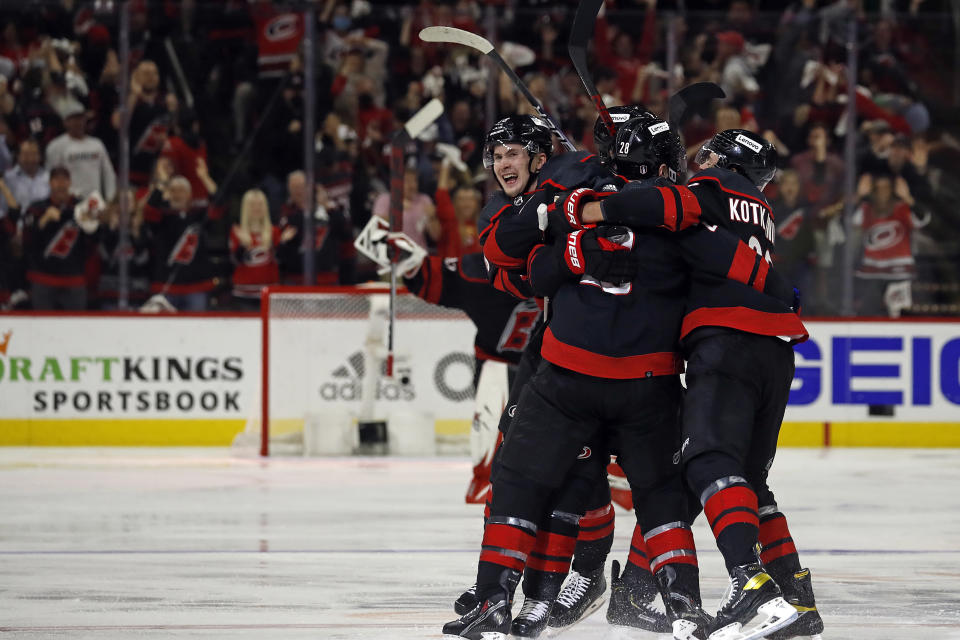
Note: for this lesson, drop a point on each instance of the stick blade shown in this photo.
(423, 118)
(453, 35)
(690, 99)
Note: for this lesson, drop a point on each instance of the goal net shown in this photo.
(324, 388)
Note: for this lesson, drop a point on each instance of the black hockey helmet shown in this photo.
(749, 153)
(601, 135)
(530, 131)
(643, 144)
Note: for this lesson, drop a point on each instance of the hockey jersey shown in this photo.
(179, 246)
(504, 324)
(254, 267)
(887, 250)
(720, 199)
(57, 253)
(332, 245)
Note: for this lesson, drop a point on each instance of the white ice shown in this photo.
(195, 543)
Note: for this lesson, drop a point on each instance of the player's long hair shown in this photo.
(250, 223)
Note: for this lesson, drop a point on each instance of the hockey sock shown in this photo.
(594, 539)
(778, 554)
(638, 559)
(549, 560)
(671, 543)
(510, 531)
(731, 509)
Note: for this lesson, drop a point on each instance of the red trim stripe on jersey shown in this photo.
(433, 281)
(760, 280)
(52, 280)
(689, 204)
(762, 323)
(532, 256)
(592, 155)
(502, 282)
(496, 256)
(493, 220)
(550, 183)
(664, 363)
(670, 212)
(741, 267)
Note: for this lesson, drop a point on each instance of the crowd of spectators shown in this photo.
(217, 196)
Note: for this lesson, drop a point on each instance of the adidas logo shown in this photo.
(347, 383)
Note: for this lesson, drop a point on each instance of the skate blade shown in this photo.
(552, 632)
(486, 635)
(685, 630)
(779, 613)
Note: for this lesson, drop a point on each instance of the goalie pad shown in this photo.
(493, 390)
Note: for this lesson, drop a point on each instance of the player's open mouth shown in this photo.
(509, 179)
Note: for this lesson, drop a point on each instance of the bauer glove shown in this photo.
(565, 213)
(604, 253)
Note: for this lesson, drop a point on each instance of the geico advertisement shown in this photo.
(141, 366)
(311, 368)
(877, 370)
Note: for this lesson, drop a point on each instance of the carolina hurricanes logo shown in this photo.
(586, 453)
(258, 256)
(884, 235)
(283, 27)
(186, 248)
(789, 228)
(62, 244)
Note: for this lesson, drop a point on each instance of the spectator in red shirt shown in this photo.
(185, 149)
(253, 245)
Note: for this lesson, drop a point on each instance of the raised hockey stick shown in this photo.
(580, 34)
(398, 144)
(452, 35)
(691, 98)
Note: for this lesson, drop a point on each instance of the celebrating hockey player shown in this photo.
(740, 368)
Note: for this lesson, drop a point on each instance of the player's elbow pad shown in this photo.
(672, 207)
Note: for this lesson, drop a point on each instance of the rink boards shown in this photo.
(103, 379)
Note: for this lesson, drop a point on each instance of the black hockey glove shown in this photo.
(603, 253)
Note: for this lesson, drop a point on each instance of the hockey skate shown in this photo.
(490, 618)
(752, 593)
(631, 604)
(581, 595)
(680, 589)
(532, 619)
(466, 601)
(798, 591)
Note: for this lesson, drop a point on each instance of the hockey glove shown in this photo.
(604, 253)
(565, 214)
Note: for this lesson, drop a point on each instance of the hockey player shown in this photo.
(740, 368)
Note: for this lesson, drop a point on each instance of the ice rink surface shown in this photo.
(195, 543)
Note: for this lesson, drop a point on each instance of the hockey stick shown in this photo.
(453, 35)
(686, 101)
(580, 34)
(398, 143)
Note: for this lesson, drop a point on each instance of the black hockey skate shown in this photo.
(581, 595)
(798, 591)
(680, 589)
(491, 616)
(631, 604)
(752, 593)
(466, 601)
(532, 619)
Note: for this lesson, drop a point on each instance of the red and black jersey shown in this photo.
(179, 246)
(254, 267)
(57, 253)
(509, 228)
(504, 324)
(149, 124)
(332, 245)
(737, 296)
